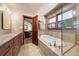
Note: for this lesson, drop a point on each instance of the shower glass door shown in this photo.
(68, 27)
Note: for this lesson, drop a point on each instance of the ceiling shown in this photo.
(35, 7)
(30, 6)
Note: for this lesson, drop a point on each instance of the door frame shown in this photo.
(29, 17)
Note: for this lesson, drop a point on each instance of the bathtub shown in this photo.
(51, 40)
(50, 44)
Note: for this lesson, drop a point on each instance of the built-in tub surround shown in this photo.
(54, 33)
(54, 44)
(52, 41)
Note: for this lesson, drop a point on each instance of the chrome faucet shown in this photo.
(54, 43)
(50, 44)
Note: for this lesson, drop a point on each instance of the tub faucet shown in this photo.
(50, 44)
(54, 43)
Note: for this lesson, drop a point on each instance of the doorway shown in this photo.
(30, 29)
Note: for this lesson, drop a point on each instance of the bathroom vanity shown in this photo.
(10, 42)
(10, 46)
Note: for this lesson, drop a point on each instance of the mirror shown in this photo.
(0, 20)
(5, 19)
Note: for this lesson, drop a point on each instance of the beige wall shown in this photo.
(16, 17)
(17, 21)
(44, 10)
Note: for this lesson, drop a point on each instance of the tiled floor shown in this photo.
(30, 50)
(73, 52)
(33, 50)
(27, 40)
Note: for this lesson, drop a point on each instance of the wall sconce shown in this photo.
(74, 12)
(8, 10)
(5, 9)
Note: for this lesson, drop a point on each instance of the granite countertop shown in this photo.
(6, 37)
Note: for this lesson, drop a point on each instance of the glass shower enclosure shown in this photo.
(68, 25)
(62, 24)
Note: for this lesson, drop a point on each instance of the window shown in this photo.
(67, 19)
(76, 24)
(64, 19)
(67, 15)
(49, 26)
(52, 22)
(59, 17)
(59, 20)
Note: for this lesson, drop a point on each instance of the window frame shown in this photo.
(52, 23)
(56, 23)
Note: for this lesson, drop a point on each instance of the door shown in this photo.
(35, 30)
(27, 29)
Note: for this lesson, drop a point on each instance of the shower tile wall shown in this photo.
(54, 33)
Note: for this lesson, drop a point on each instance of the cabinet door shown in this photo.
(21, 39)
(16, 45)
(9, 53)
(16, 41)
(14, 52)
(5, 48)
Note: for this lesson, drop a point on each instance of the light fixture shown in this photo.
(74, 12)
(8, 10)
(5, 9)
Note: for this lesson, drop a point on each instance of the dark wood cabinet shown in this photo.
(9, 53)
(5, 48)
(18, 41)
(11, 48)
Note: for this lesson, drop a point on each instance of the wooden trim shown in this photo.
(23, 29)
(29, 17)
(54, 28)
